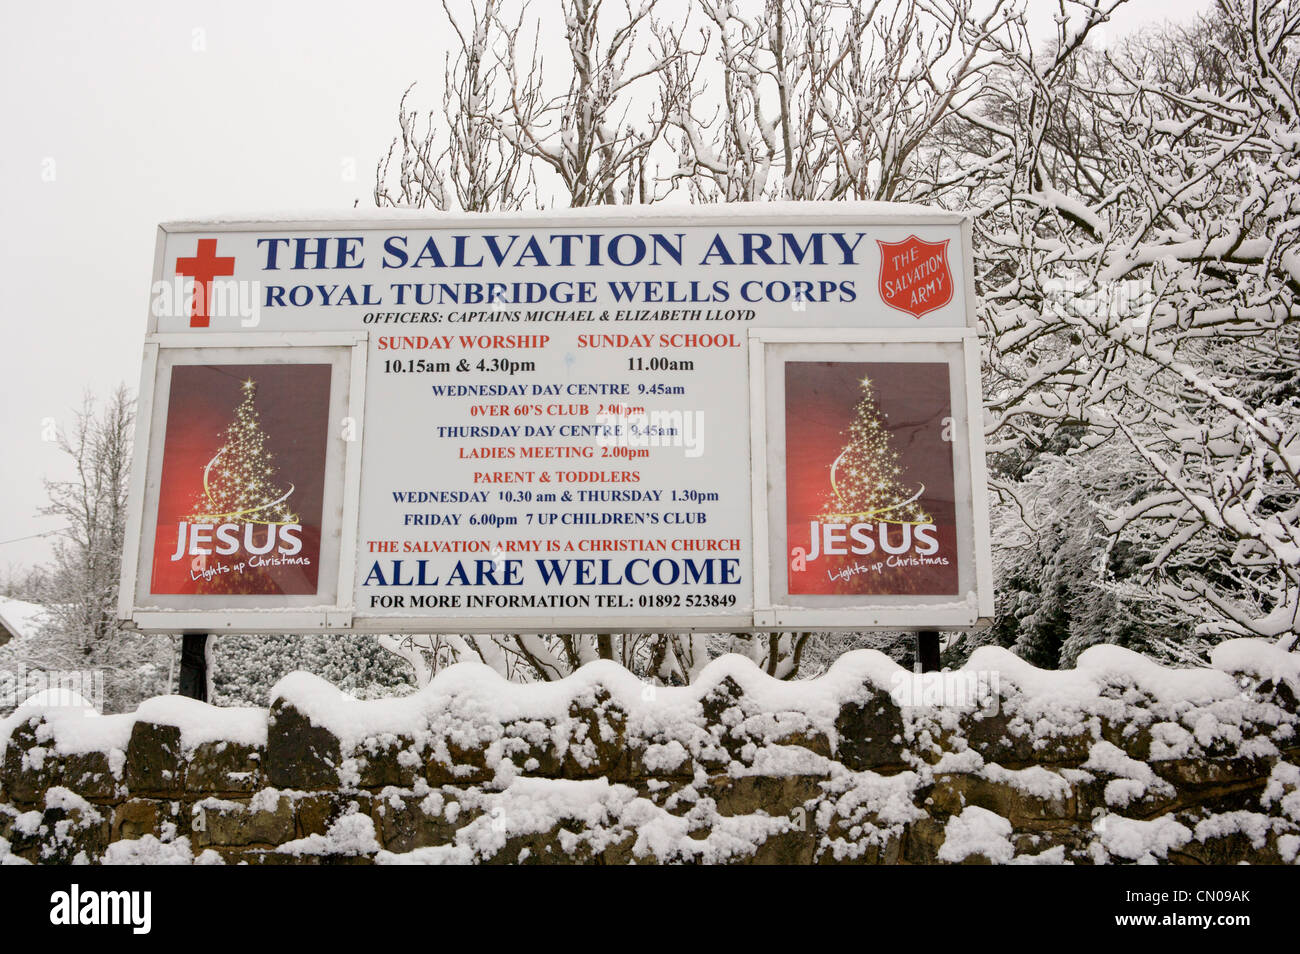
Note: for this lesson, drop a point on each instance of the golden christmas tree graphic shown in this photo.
(239, 482)
(866, 477)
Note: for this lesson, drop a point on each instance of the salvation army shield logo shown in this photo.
(914, 275)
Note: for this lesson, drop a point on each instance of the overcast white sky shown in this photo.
(156, 110)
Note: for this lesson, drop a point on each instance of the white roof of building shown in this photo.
(20, 618)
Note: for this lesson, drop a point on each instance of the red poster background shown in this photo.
(914, 401)
(292, 401)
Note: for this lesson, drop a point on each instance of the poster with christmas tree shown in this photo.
(242, 484)
(870, 503)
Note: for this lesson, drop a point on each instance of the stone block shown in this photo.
(300, 754)
(155, 764)
(406, 822)
(267, 819)
(226, 768)
(870, 733)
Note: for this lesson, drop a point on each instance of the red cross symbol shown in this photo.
(204, 266)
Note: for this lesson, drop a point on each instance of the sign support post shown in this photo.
(194, 666)
(927, 649)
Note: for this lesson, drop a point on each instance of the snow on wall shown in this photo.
(1118, 760)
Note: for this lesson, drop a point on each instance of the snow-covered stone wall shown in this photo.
(1119, 760)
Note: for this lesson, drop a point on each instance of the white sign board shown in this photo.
(755, 416)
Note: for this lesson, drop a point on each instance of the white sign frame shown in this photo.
(342, 616)
(333, 617)
(768, 615)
